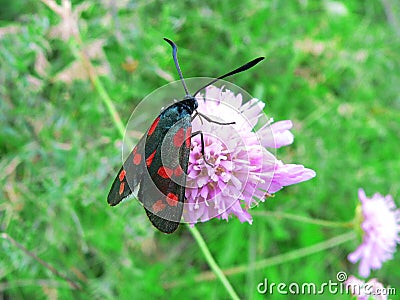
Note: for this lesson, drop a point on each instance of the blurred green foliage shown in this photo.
(332, 67)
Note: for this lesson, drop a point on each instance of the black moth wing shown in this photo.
(158, 166)
(129, 176)
(167, 154)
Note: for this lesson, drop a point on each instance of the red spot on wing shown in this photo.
(188, 137)
(137, 158)
(153, 126)
(158, 206)
(172, 199)
(149, 160)
(179, 137)
(178, 171)
(122, 175)
(121, 188)
(165, 172)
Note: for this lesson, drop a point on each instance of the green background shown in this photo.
(333, 68)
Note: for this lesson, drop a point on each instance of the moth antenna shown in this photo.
(245, 67)
(178, 68)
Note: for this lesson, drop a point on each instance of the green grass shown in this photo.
(336, 76)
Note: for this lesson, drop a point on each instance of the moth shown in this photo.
(157, 166)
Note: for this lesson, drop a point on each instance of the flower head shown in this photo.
(239, 171)
(381, 228)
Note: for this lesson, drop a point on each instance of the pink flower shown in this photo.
(381, 228)
(241, 171)
(373, 289)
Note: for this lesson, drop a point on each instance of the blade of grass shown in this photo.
(53, 270)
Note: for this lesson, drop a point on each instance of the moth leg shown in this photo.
(209, 119)
(202, 146)
(195, 115)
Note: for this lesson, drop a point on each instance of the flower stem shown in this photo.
(304, 219)
(271, 261)
(78, 50)
(109, 104)
(295, 254)
(212, 263)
